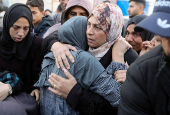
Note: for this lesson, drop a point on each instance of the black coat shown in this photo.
(44, 25)
(146, 90)
(26, 70)
(90, 103)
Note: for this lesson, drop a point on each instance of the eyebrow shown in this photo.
(20, 26)
(132, 32)
(94, 24)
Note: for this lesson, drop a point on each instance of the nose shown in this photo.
(90, 30)
(21, 33)
(152, 42)
(128, 10)
(129, 38)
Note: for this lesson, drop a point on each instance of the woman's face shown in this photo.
(133, 38)
(156, 40)
(95, 35)
(19, 29)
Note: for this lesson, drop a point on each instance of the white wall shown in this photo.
(47, 3)
(151, 6)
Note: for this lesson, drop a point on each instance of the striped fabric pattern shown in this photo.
(10, 78)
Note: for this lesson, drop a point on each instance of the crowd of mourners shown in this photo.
(82, 60)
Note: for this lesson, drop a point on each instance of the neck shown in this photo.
(36, 24)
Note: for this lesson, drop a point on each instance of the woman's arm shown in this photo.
(119, 49)
(60, 51)
(107, 86)
(84, 101)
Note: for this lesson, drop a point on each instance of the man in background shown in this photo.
(136, 7)
(40, 22)
(57, 16)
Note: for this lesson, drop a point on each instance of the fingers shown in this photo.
(37, 94)
(64, 59)
(56, 61)
(57, 92)
(32, 93)
(52, 80)
(127, 65)
(121, 80)
(120, 75)
(72, 48)
(69, 55)
(61, 52)
(68, 74)
(55, 78)
(120, 72)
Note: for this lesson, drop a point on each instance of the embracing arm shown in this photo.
(84, 101)
(60, 50)
(107, 86)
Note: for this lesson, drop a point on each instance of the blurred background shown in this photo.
(53, 4)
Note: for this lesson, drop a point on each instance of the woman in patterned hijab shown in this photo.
(110, 20)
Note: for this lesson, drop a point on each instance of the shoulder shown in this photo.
(37, 40)
(84, 56)
(48, 20)
(36, 44)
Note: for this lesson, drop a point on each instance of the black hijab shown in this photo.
(8, 47)
(146, 35)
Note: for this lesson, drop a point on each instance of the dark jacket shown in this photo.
(146, 90)
(44, 25)
(23, 68)
(89, 103)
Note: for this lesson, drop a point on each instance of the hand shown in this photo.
(36, 93)
(119, 49)
(60, 52)
(120, 75)
(62, 86)
(3, 91)
(146, 46)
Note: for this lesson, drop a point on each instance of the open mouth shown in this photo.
(19, 39)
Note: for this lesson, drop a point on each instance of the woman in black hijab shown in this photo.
(19, 53)
(137, 38)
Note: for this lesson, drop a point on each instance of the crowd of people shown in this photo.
(84, 60)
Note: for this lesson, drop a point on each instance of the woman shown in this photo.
(148, 45)
(20, 53)
(74, 32)
(136, 38)
(93, 103)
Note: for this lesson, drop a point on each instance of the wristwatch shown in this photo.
(10, 89)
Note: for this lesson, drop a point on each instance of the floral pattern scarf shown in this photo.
(111, 20)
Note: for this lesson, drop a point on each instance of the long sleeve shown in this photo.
(34, 63)
(107, 86)
(13, 80)
(87, 102)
